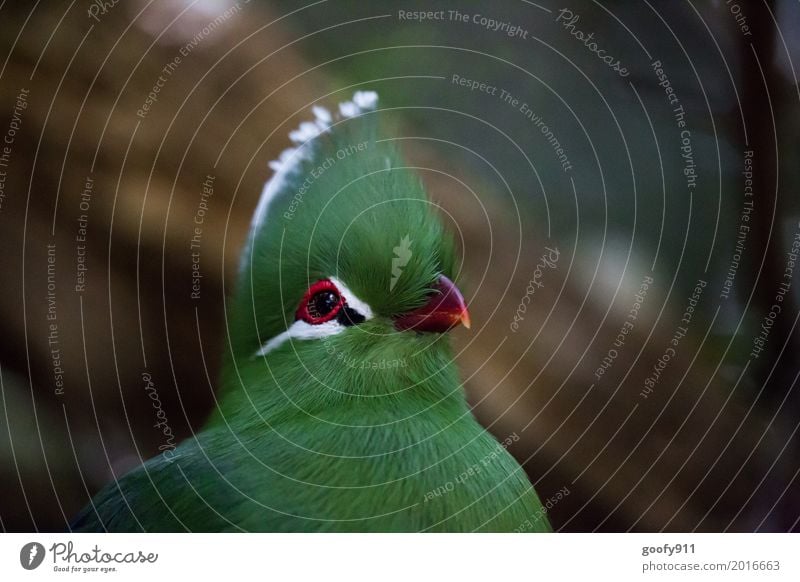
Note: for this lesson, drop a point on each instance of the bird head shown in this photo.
(347, 277)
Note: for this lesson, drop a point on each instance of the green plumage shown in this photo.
(364, 430)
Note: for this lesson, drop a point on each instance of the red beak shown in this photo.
(444, 310)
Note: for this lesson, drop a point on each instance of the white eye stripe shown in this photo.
(302, 330)
(352, 301)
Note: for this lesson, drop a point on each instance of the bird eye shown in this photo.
(321, 303)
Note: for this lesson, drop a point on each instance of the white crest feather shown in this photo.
(288, 163)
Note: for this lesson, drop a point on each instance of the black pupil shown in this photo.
(322, 304)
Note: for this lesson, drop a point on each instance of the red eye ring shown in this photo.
(322, 302)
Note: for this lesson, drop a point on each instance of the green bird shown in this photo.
(339, 405)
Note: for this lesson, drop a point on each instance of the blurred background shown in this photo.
(651, 372)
